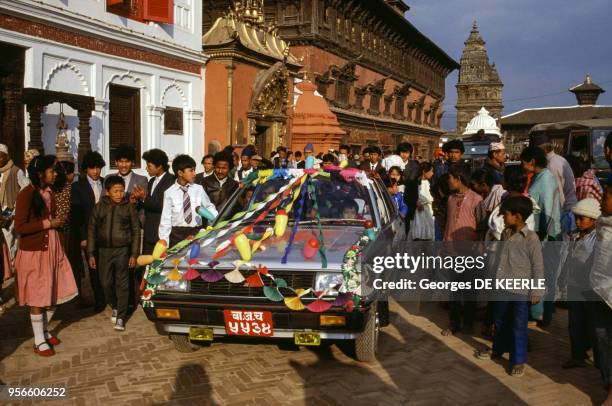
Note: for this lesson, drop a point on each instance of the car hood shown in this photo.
(338, 239)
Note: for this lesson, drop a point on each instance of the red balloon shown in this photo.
(368, 224)
(313, 243)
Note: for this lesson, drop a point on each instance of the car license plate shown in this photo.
(248, 323)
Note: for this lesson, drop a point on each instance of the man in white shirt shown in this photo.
(182, 202)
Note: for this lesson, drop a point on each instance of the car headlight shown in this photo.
(328, 280)
(174, 286)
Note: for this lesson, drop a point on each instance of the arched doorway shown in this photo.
(268, 109)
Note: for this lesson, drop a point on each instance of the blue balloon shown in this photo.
(206, 214)
(310, 161)
(195, 250)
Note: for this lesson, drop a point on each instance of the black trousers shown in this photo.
(178, 234)
(96, 285)
(601, 315)
(115, 277)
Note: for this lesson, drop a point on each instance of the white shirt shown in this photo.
(245, 173)
(393, 160)
(221, 181)
(96, 186)
(127, 178)
(156, 182)
(172, 213)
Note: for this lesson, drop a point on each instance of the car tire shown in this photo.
(182, 343)
(383, 314)
(366, 344)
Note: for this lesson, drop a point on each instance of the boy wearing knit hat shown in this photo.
(577, 260)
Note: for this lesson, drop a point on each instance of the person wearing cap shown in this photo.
(576, 261)
(12, 181)
(494, 163)
(256, 161)
(308, 151)
(565, 179)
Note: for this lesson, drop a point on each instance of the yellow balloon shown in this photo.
(242, 244)
(144, 260)
(343, 163)
(280, 223)
(159, 249)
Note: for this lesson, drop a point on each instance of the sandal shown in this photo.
(518, 370)
(487, 353)
(448, 332)
(44, 353)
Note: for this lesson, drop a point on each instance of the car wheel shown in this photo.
(366, 344)
(182, 343)
(383, 313)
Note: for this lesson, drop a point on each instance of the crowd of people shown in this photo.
(59, 220)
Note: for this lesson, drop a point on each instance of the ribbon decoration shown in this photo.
(315, 206)
(296, 222)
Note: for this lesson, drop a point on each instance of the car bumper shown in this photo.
(285, 322)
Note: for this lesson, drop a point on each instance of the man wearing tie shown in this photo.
(374, 165)
(86, 192)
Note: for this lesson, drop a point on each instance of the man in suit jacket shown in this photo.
(207, 164)
(219, 186)
(86, 192)
(125, 156)
(374, 165)
(153, 199)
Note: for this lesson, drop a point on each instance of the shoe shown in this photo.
(120, 326)
(114, 317)
(44, 353)
(53, 341)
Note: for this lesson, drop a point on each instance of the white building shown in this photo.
(139, 62)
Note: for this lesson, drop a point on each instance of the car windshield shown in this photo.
(336, 200)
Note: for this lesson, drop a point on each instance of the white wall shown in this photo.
(91, 16)
(59, 67)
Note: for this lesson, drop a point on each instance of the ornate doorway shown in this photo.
(268, 112)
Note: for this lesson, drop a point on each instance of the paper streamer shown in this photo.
(296, 222)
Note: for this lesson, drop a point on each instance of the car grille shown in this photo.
(295, 280)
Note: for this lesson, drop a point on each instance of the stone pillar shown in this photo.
(84, 133)
(230, 103)
(35, 125)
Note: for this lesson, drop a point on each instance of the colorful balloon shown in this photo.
(160, 248)
(242, 244)
(203, 212)
(144, 260)
(280, 223)
(310, 161)
(311, 248)
(195, 250)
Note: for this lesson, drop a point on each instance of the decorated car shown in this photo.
(283, 259)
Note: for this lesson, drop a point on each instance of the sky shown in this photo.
(540, 47)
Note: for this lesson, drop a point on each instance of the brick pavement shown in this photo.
(416, 366)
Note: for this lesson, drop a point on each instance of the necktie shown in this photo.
(186, 205)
